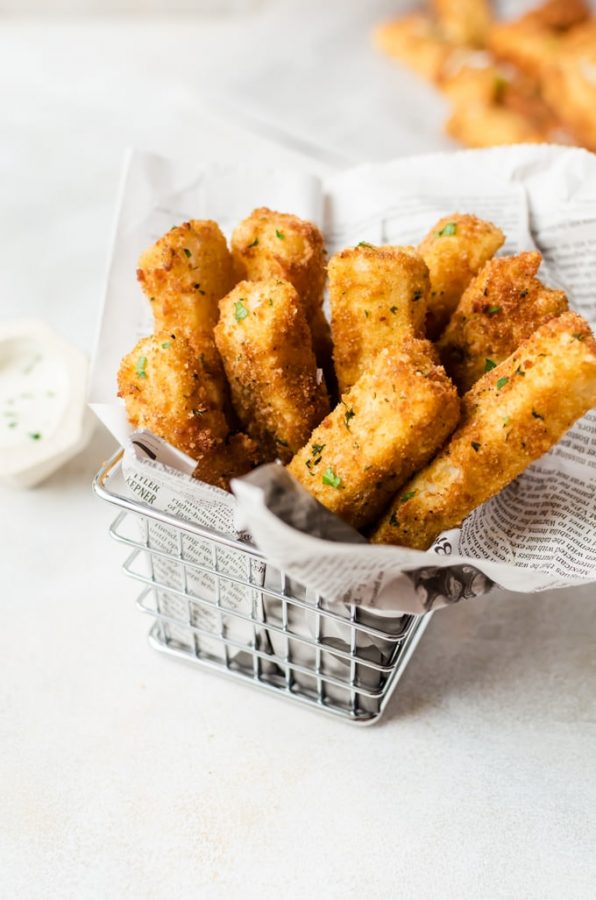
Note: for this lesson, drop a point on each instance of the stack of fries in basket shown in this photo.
(530, 80)
(444, 373)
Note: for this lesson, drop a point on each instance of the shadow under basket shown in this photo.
(216, 602)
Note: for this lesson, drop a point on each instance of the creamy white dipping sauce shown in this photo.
(33, 392)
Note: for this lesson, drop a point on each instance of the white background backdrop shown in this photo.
(125, 775)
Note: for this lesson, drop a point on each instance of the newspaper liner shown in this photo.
(539, 533)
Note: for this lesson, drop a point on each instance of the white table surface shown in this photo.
(123, 774)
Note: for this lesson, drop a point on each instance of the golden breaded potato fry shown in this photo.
(417, 42)
(270, 244)
(499, 309)
(569, 84)
(170, 388)
(455, 250)
(535, 40)
(264, 342)
(185, 274)
(378, 295)
(465, 22)
(557, 15)
(496, 106)
(488, 125)
(396, 416)
(469, 83)
(225, 460)
(511, 417)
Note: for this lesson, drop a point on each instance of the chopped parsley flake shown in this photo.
(254, 243)
(349, 415)
(12, 424)
(166, 345)
(366, 314)
(417, 295)
(187, 253)
(393, 520)
(506, 421)
(141, 363)
(489, 364)
(520, 371)
(280, 235)
(331, 478)
(407, 496)
(537, 415)
(393, 309)
(502, 382)
(197, 287)
(317, 449)
(363, 244)
(476, 446)
(240, 311)
(35, 435)
(493, 310)
(449, 229)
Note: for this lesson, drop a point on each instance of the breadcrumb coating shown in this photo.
(264, 342)
(499, 309)
(174, 391)
(392, 421)
(455, 249)
(378, 296)
(185, 274)
(228, 459)
(269, 244)
(511, 417)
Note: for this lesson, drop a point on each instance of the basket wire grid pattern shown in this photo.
(218, 603)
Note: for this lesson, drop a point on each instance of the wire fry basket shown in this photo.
(218, 603)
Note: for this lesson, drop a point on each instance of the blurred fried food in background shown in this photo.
(529, 80)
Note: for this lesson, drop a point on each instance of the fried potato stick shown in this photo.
(415, 41)
(171, 389)
(396, 416)
(455, 250)
(535, 40)
(464, 22)
(511, 417)
(499, 309)
(569, 84)
(490, 125)
(378, 295)
(264, 342)
(185, 274)
(270, 244)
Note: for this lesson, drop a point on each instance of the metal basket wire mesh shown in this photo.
(218, 603)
